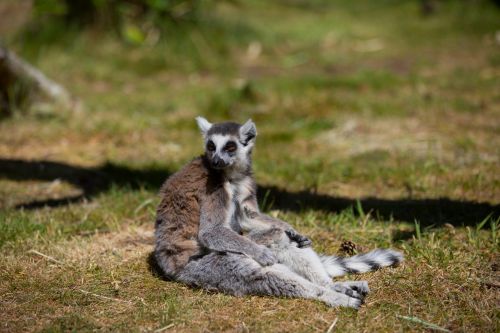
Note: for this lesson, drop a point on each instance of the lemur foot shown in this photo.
(357, 289)
(334, 299)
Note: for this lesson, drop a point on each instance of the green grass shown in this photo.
(376, 125)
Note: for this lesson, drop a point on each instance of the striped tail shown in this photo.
(361, 263)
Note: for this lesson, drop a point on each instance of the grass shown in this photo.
(376, 125)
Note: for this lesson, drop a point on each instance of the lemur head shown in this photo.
(228, 145)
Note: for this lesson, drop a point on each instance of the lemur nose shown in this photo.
(217, 161)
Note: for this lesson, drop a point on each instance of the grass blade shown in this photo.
(483, 222)
(424, 323)
(359, 208)
(418, 232)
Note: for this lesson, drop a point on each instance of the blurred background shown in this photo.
(378, 123)
(386, 98)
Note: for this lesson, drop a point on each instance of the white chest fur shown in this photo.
(237, 191)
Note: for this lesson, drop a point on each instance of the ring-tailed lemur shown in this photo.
(211, 234)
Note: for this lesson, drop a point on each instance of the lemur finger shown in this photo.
(302, 241)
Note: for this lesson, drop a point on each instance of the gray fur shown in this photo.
(211, 234)
(227, 128)
(320, 269)
(247, 132)
(238, 275)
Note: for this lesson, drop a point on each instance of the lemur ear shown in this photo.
(203, 124)
(248, 132)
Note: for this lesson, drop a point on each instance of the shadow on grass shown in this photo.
(427, 211)
(154, 267)
(93, 181)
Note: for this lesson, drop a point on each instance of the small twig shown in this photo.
(330, 329)
(425, 323)
(164, 328)
(103, 297)
(49, 258)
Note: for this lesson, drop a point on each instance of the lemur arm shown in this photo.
(215, 234)
(255, 220)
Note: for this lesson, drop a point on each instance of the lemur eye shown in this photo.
(230, 146)
(210, 146)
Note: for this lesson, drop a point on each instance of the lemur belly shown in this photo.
(303, 261)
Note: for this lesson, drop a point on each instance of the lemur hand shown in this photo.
(265, 257)
(302, 241)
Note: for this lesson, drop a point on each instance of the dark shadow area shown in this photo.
(155, 269)
(402, 235)
(91, 181)
(100, 179)
(427, 211)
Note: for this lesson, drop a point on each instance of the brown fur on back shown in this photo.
(178, 216)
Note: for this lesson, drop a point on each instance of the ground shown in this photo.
(376, 125)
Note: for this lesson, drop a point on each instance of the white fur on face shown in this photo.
(240, 158)
(219, 140)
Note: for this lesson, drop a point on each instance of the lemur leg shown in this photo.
(238, 275)
(306, 263)
(303, 261)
